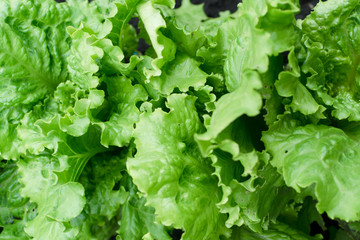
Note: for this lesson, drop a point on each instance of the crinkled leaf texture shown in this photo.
(27, 76)
(289, 85)
(246, 65)
(182, 73)
(169, 169)
(123, 96)
(322, 155)
(105, 193)
(254, 197)
(102, 140)
(35, 50)
(138, 220)
(278, 231)
(247, 48)
(164, 48)
(246, 178)
(15, 211)
(49, 176)
(333, 59)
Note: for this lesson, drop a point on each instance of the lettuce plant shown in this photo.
(211, 133)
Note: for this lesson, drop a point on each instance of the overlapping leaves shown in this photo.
(207, 132)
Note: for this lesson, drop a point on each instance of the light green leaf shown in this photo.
(332, 59)
(273, 102)
(118, 131)
(249, 51)
(105, 193)
(27, 76)
(125, 11)
(164, 48)
(244, 100)
(9, 119)
(167, 3)
(188, 16)
(113, 59)
(251, 187)
(138, 219)
(279, 21)
(15, 211)
(83, 58)
(223, 32)
(94, 15)
(277, 231)
(41, 186)
(182, 73)
(289, 85)
(170, 171)
(187, 41)
(50, 176)
(71, 110)
(320, 155)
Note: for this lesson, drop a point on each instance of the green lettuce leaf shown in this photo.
(301, 213)
(279, 21)
(273, 102)
(27, 76)
(105, 193)
(188, 16)
(320, 155)
(83, 60)
(137, 220)
(182, 73)
(249, 51)
(224, 31)
(70, 110)
(289, 85)
(250, 194)
(125, 11)
(95, 15)
(123, 96)
(247, 63)
(207, 133)
(246, 178)
(164, 48)
(332, 59)
(15, 211)
(169, 169)
(49, 176)
(229, 107)
(278, 231)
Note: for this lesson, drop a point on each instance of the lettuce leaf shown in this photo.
(243, 126)
(331, 58)
(168, 167)
(320, 155)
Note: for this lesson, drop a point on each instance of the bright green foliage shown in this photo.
(15, 210)
(169, 168)
(137, 219)
(289, 85)
(322, 155)
(104, 192)
(276, 232)
(164, 48)
(244, 126)
(123, 96)
(182, 73)
(48, 177)
(120, 22)
(333, 59)
(26, 76)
